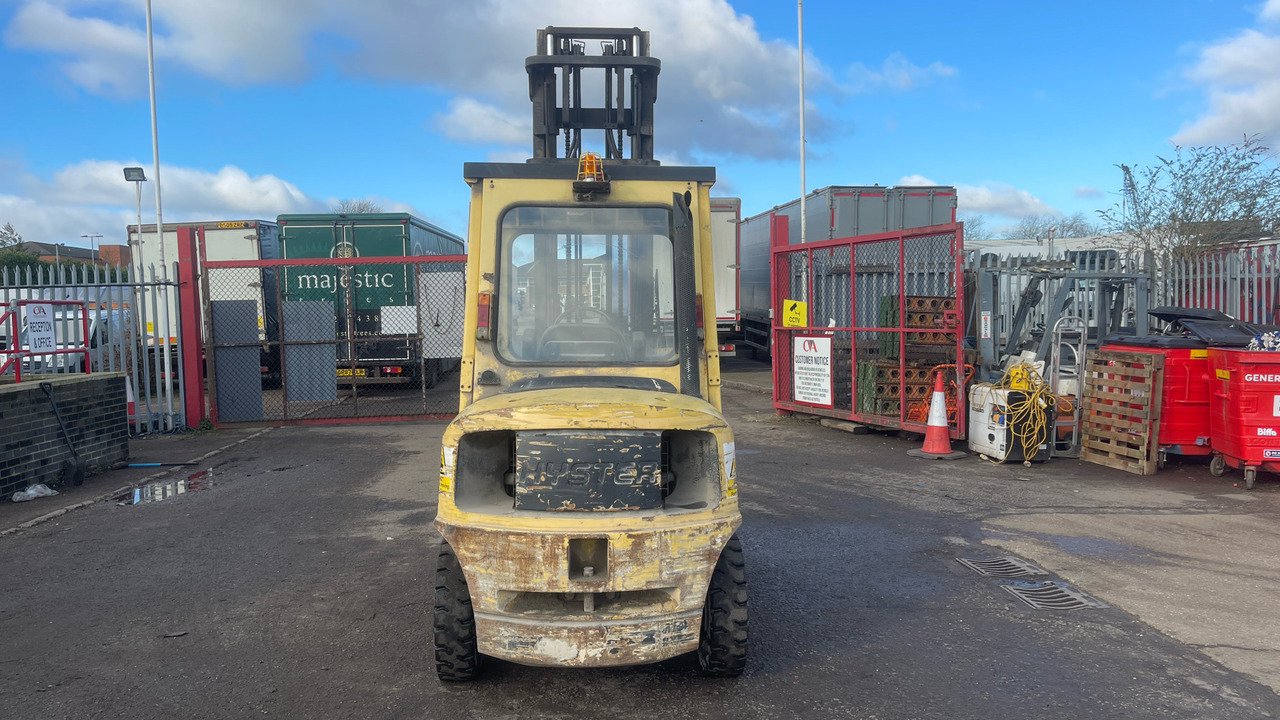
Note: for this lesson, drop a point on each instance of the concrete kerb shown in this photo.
(749, 387)
(114, 493)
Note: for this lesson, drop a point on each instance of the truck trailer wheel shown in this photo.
(722, 642)
(453, 621)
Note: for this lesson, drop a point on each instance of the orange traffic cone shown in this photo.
(937, 436)
(128, 397)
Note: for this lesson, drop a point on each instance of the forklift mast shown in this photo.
(630, 84)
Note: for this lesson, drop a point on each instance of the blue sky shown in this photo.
(274, 106)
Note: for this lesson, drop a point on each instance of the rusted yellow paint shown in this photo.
(519, 564)
(673, 563)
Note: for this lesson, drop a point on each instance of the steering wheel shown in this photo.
(578, 316)
(565, 332)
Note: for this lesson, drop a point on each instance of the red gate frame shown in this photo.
(779, 339)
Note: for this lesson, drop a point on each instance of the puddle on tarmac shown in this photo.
(163, 490)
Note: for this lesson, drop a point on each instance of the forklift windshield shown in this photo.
(586, 285)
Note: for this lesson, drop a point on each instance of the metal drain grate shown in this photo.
(1052, 595)
(1007, 566)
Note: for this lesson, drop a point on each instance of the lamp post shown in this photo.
(93, 244)
(800, 54)
(164, 272)
(136, 176)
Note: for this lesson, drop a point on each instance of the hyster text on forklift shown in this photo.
(587, 495)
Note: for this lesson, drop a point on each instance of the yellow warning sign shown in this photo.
(1200, 353)
(1223, 374)
(795, 313)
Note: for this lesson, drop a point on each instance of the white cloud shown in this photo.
(92, 196)
(470, 120)
(896, 73)
(64, 223)
(724, 90)
(991, 197)
(235, 41)
(1238, 76)
(228, 191)
(1087, 191)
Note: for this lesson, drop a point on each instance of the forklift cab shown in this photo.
(587, 498)
(590, 285)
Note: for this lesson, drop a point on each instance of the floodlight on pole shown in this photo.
(136, 176)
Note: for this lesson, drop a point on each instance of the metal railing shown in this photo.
(117, 327)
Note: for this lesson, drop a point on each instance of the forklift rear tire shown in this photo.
(454, 622)
(722, 641)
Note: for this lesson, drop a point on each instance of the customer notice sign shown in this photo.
(811, 370)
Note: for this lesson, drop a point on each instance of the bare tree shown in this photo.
(975, 227)
(1064, 226)
(1199, 196)
(354, 205)
(9, 238)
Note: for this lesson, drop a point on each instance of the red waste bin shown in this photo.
(1184, 396)
(1244, 411)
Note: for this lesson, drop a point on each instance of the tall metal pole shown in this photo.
(155, 136)
(800, 47)
(137, 194)
(164, 271)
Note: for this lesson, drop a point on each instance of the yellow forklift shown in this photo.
(587, 495)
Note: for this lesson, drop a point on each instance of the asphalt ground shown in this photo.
(294, 580)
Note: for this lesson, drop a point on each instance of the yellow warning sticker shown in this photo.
(1200, 353)
(1223, 374)
(795, 313)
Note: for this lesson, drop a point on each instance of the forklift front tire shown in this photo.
(722, 641)
(454, 622)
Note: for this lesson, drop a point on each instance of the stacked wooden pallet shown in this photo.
(1122, 409)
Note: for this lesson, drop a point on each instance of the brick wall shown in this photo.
(115, 255)
(32, 449)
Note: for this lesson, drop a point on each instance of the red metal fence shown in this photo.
(862, 324)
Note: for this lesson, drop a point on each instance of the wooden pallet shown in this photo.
(1121, 410)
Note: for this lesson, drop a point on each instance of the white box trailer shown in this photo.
(223, 240)
(726, 212)
(837, 211)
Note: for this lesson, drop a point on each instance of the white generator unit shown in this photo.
(994, 434)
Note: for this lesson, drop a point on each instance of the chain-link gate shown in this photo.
(862, 325)
(333, 339)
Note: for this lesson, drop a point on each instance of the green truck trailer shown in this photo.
(395, 322)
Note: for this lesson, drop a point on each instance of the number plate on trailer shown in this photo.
(576, 471)
(346, 372)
